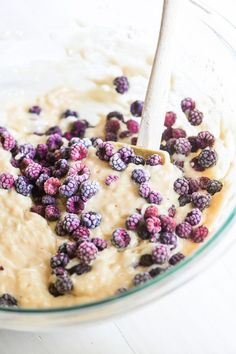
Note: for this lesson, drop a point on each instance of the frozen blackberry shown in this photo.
(182, 146)
(59, 229)
(23, 186)
(117, 163)
(6, 181)
(167, 134)
(132, 126)
(195, 165)
(60, 272)
(100, 243)
(168, 224)
(170, 119)
(7, 140)
(61, 168)
(160, 254)
(112, 126)
(79, 127)
(41, 180)
(105, 151)
(70, 223)
(33, 170)
(181, 186)
(203, 182)
(109, 136)
(153, 225)
(207, 158)
(155, 198)
(70, 113)
(194, 143)
(125, 134)
(54, 142)
(184, 199)
(199, 234)
(176, 258)
(121, 84)
(214, 186)
(41, 151)
(115, 114)
(193, 185)
(51, 186)
(144, 190)
(79, 269)
(146, 260)
(154, 160)
(187, 104)
(120, 238)
(172, 211)
(88, 189)
(200, 200)
(48, 200)
(63, 285)
(154, 272)
(27, 150)
(133, 221)
(137, 160)
(52, 213)
(178, 133)
(38, 209)
(141, 278)
(195, 117)
(140, 176)
(184, 230)
(205, 139)
(143, 232)
(126, 153)
(87, 252)
(168, 238)
(35, 110)
(69, 249)
(82, 233)
(75, 205)
(91, 219)
(59, 260)
(7, 300)
(111, 179)
(136, 108)
(69, 187)
(194, 217)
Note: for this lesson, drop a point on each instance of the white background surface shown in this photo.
(199, 318)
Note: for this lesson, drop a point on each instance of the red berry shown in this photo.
(170, 119)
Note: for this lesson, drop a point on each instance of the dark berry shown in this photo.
(59, 260)
(155, 198)
(195, 117)
(193, 185)
(126, 154)
(69, 187)
(194, 217)
(182, 146)
(132, 126)
(176, 258)
(187, 104)
(121, 84)
(70, 223)
(79, 269)
(181, 186)
(136, 108)
(154, 272)
(7, 300)
(91, 219)
(137, 160)
(184, 230)
(184, 199)
(87, 252)
(203, 182)
(194, 143)
(207, 158)
(70, 113)
(214, 186)
(120, 238)
(140, 176)
(178, 133)
(63, 285)
(35, 110)
(52, 213)
(200, 200)
(141, 278)
(160, 254)
(144, 190)
(117, 163)
(146, 260)
(199, 234)
(133, 221)
(100, 243)
(23, 186)
(154, 160)
(168, 238)
(168, 224)
(88, 189)
(115, 114)
(112, 125)
(205, 139)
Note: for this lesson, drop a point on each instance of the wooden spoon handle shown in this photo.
(158, 88)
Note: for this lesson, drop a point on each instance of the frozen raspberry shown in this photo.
(168, 238)
(176, 258)
(178, 133)
(137, 160)
(195, 117)
(87, 252)
(51, 186)
(109, 136)
(199, 234)
(200, 200)
(194, 217)
(69, 187)
(181, 186)
(80, 172)
(182, 146)
(59, 260)
(121, 84)
(33, 170)
(48, 200)
(155, 198)
(100, 243)
(134, 141)
(78, 152)
(170, 119)
(91, 219)
(52, 213)
(132, 126)
(69, 249)
(172, 211)
(207, 158)
(82, 233)
(170, 146)
(80, 269)
(153, 225)
(60, 231)
(183, 230)
(184, 199)
(54, 142)
(144, 190)
(194, 143)
(54, 130)
(167, 223)
(151, 212)
(154, 160)
(105, 151)
(167, 134)
(78, 128)
(60, 169)
(110, 179)
(136, 108)
(140, 176)
(195, 165)
(187, 104)
(205, 139)
(7, 300)
(6, 181)
(115, 114)
(120, 238)
(203, 182)
(63, 285)
(35, 110)
(41, 180)
(112, 125)
(70, 113)
(117, 163)
(143, 232)
(160, 254)
(145, 260)
(70, 223)
(74, 205)
(193, 185)
(214, 186)
(141, 278)
(126, 154)
(132, 221)
(88, 189)
(41, 151)
(38, 209)
(23, 186)
(8, 142)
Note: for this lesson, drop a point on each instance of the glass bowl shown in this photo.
(204, 63)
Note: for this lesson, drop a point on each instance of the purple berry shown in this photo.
(23, 186)
(87, 252)
(187, 104)
(182, 146)
(105, 151)
(38, 209)
(143, 232)
(59, 260)
(70, 223)
(79, 172)
(136, 108)
(184, 230)
(69, 187)
(41, 180)
(35, 110)
(78, 128)
(109, 136)
(170, 119)
(110, 179)
(75, 205)
(153, 225)
(184, 199)
(137, 160)
(203, 182)
(120, 238)
(155, 198)
(132, 126)
(144, 190)
(60, 272)
(100, 243)
(6, 181)
(172, 211)
(145, 260)
(115, 114)
(82, 233)
(33, 170)
(112, 126)
(91, 219)
(168, 238)
(140, 176)
(199, 234)
(194, 143)
(200, 200)
(176, 258)
(178, 133)
(154, 272)
(54, 130)
(117, 163)
(88, 189)
(61, 168)
(63, 285)
(205, 139)
(160, 254)
(59, 229)
(214, 186)
(154, 160)
(181, 186)
(41, 151)
(79, 269)
(207, 158)
(141, 278)
(70, 113)
(69, 249)
(193, 185)
(195, 117)
(54, 142)
(51, 186)
(126, 153)
(121, 84)
(132, 221)
(194, 217)
(52, 213)
(48, 200)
